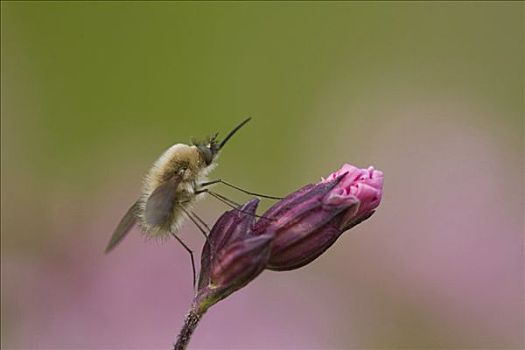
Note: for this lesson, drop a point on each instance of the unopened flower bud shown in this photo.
(241, 262)
(364, 184)
(232, 256)
(310, 220)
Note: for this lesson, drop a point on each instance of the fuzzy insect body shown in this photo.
(170, 188)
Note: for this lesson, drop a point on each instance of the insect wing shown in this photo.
(123, 227)
(159, 206)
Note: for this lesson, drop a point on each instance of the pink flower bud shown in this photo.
(241, 261)
(232, 256)
(310, 220)
(364, 184)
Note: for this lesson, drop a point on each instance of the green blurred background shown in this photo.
(430, 93)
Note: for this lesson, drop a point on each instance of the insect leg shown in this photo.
(224, 198)
(203, 223)
(204, 184)
(228, 202)
(191, 256)
(190, 216)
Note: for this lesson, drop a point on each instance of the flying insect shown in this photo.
(171, 186)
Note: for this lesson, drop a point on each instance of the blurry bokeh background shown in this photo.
(430, 93)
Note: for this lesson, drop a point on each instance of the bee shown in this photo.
(170, 187)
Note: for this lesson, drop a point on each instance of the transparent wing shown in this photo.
(159, 206)
(124, 226)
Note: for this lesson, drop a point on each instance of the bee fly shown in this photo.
(170, 187)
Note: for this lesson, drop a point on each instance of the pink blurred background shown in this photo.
(429, 93)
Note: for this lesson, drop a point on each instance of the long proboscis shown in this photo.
(223, 142)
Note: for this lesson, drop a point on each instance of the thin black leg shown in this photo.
(190, 216)
(203, 223)
(229, 202)
(224, 198)
(191, 256)
(204, 184)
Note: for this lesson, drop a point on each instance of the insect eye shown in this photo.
(207, 155)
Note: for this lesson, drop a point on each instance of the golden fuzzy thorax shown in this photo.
(181, 159)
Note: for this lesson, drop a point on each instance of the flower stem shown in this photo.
(190, 323)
